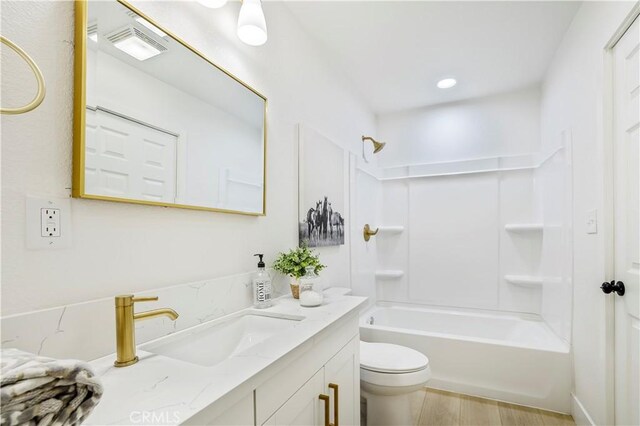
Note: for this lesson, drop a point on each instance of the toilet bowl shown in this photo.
(390, 378)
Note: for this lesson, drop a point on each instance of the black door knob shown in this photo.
(617, 287)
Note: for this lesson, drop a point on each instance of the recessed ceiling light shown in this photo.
(447, 83)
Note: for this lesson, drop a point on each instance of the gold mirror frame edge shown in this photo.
(79, 123)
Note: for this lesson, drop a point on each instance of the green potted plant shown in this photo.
(294, 264)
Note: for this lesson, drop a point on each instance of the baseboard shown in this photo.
(579, 413)
(558, 405)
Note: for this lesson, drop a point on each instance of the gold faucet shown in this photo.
(125, 331)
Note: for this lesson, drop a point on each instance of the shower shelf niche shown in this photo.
(524, 280)
(389, 274)
(521, 228)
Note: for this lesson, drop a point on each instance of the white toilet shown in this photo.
(389, 377)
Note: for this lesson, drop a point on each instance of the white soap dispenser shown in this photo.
(261, 286)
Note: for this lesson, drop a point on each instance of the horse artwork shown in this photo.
(321, 191)
(322, 226)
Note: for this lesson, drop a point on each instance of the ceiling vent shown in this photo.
(140, 20)
(135, 42)
(92, 31)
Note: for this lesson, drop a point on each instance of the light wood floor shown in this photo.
(441, 408)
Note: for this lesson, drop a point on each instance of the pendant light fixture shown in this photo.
(252, 27)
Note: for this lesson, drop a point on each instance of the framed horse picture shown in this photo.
(321, 190)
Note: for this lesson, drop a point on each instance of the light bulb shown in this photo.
(252, 27)
(213, 4)
(447, 83)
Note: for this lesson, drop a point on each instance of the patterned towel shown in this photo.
(41, 391)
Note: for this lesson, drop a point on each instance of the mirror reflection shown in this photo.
(164, 125)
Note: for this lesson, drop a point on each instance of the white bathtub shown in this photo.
(508, 357)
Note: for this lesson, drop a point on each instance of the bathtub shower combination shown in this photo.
(472, 262)
(509, 357)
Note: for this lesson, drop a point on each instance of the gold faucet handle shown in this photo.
(125, 300)
(145, 299)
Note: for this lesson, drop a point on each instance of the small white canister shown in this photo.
(310, 288)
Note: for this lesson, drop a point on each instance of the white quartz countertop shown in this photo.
(163, 390)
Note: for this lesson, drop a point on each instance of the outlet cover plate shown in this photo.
(36, 238)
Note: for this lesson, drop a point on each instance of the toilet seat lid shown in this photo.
(389, 358)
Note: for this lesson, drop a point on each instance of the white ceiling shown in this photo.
(396, 51)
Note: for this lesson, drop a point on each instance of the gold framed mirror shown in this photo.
(158, 123)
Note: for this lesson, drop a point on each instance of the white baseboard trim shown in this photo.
(579, 413)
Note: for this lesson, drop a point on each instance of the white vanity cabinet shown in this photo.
(304, 407)
(289, 391)
(344, 370)
(329, 367)
(240, 414)
(329, 396)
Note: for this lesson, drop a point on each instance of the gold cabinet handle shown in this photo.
(325, 399)
(336, 408)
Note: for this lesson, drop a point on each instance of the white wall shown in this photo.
(121, 248)
(572, 99)
(493, 126)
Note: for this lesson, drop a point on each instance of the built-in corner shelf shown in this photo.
(391, 229)
(523, 227)
(524, 280)
(389, 274)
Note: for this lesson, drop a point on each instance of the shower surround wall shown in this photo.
(553, 193)
(455, 250)
(366, 207)
(455, 176)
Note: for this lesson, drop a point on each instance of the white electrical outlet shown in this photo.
(48, 223)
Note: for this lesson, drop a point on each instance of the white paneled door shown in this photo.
(627, 230)
(127, 159)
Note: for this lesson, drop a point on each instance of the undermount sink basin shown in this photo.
(213, 342)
